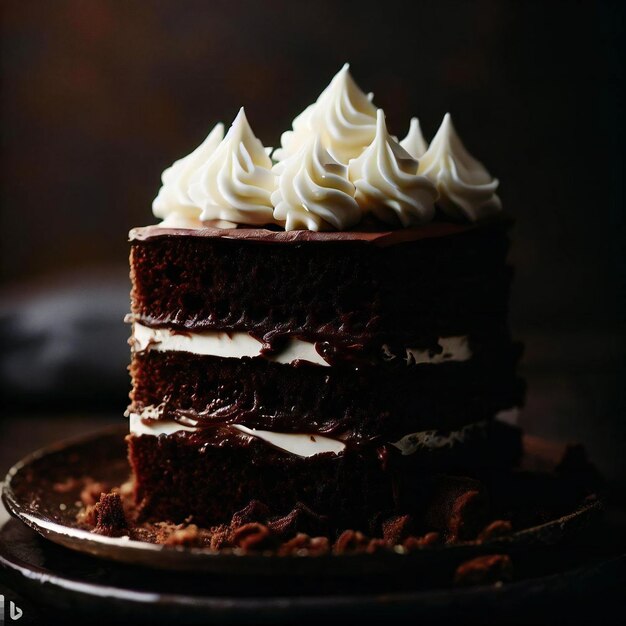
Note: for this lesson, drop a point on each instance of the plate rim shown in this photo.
(32, 573)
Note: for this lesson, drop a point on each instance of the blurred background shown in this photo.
(99, 96)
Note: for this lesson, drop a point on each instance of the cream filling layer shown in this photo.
(241, 344)
(452, 349)
(304, 445)
(307, 445)
(218, 343)
(409, 444)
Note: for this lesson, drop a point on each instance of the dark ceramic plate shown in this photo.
(75, 588)
(29, 495)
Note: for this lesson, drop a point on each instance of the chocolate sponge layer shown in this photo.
(368, 403)
(346, 291)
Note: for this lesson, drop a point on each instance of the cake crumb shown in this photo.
(467, 513)
(415, 543)
(488, 569)
(498, 528)
(220, 537)
(351, 541)
(302, 544)
(253, 536)
(396, 529)
(187, 536)
(109, 516)
(377, 545)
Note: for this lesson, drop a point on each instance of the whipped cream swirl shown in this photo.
(236, 183)
(314, 192)
(387, 183)
(336, 164)
(414, 143)
(343, 117)
(466, 189)
(173, 204)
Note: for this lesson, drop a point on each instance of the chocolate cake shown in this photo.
(325, 329)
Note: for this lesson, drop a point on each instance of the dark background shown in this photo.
(99, 96)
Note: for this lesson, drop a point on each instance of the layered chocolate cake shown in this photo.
(325, 328)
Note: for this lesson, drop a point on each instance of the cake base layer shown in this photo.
(179, 477)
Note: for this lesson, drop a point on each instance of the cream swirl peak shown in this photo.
(387, 183)
(466, 189)
(173, 204)
(337, 164)
(414, 143)
(314, 192)
(236, 182)
(343, 117)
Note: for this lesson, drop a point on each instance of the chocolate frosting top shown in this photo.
(264, 235)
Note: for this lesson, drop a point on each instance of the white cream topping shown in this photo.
(314, 192)
(305, 445)
(387, 183)
(173, 204)
(236, 183)
(218, 343)
(466, 189)
(410, 444)
(414, 143)
(230, 179)
(343, 117)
